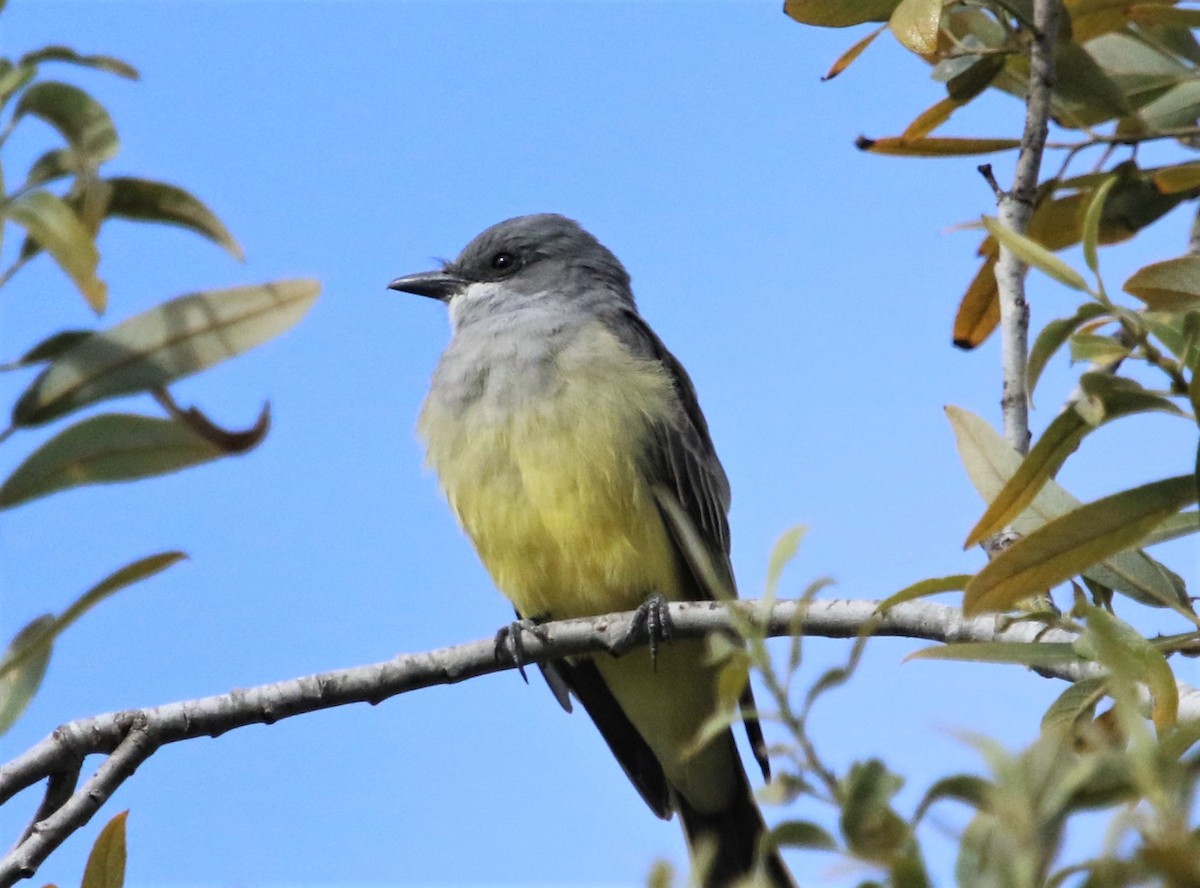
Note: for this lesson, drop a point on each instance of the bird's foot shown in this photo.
(510, 644)
(653, 617)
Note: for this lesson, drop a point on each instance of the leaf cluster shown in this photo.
(1114, 741)
(61, 203)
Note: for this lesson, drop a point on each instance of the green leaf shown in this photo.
(1178, 331)
(965, 788)
(80, 119)
(1146, 581)
(1061, 438)
(106, 864)
(1177, 107)
(783, 789)
(1043, 653)
(1095, 349)
(990, 462)
(12, 78)
(839, 13)
(148, 201)
(1034, 254)
(1091, 224)
(23, 664)
(732, 679)
(55, 226)
(15, 656)
(1173, 285)
(871, 828)
(66, 54)
(170, 341)
(134, 572)
(923, 588)
(1082, 89)
(907, 869)
(785, 550)
(1054, 334)
(29, 653)
(1071, 544)
(1134, 204)
(662, 875)
(1176, 526)
(49, 348)
(977, 77)
(140, 200)
(1130, 656)
(802, 834)
(51, 166)
(1079, 699)
(105, 449)
(982, 851)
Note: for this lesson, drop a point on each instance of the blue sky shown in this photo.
(808, 288)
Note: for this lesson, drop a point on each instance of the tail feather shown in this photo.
(734, 835)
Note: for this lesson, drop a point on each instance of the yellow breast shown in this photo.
(550, 489)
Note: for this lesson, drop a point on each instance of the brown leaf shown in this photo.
(979, 312)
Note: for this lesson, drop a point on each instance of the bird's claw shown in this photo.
(653, 617)
(510, 645)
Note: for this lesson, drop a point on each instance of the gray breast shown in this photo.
(502, 366)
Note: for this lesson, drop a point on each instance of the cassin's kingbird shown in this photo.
(568, 441)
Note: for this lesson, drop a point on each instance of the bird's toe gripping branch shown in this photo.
(653, 617)
(510, 644)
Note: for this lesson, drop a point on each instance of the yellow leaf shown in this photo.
(948, 147)
(990, 462)
(1173, 179)
(1158, 14)
(846, 59)
(785, 550)
(106, 864)
(1071, 544)
(932, 586)
(54, 225)
(930, 119)
(1058, 223)
(1059, 441)
(915, 24)
(979, 311)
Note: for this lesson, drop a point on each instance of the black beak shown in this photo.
(440, 285)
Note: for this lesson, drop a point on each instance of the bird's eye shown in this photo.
(504, 261)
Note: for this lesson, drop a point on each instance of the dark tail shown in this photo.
(735, 834)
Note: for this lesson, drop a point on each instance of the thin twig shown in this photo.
(77, 810)
(1015, 208)
(131, 736)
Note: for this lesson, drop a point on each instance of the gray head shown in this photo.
(543, 259)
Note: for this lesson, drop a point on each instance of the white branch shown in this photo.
(1014, 209)
(129, 737)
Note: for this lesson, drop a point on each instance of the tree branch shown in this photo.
(1015, 208)
(130, 737)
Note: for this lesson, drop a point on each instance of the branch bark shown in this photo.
(129, 737)
(1014, 209)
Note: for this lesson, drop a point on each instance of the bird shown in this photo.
(570, 445)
